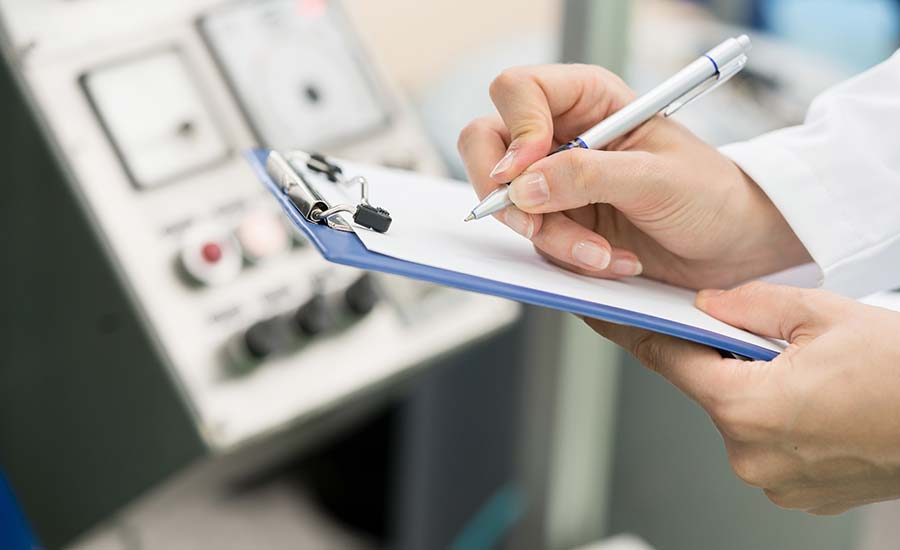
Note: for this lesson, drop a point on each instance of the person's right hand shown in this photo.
(658, 201)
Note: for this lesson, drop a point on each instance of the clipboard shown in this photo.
(344, 247)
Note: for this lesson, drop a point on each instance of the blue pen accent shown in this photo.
(574, 144)
(716, 65)
(563, 147)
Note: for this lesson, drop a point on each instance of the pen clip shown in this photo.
(724, 75)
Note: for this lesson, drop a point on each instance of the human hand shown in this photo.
(818, 427)
(658, 200)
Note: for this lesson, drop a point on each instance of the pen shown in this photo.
(699, 78)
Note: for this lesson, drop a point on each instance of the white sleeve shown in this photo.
(836, 180)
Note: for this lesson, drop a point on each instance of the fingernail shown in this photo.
(628, 268)
(529, 190)
(591, 255)
(505, 163)
(519, 221)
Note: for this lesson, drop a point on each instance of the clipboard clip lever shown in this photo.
(725, 74)
(311, 204)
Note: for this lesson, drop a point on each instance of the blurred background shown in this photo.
(180, 370)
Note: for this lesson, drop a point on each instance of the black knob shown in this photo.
(267, 337)
(315, 316)
(362, 295)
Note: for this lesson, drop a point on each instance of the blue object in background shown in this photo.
(492, 521)
(855, 33)
(14, 531)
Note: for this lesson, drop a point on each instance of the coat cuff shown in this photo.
(815, 216)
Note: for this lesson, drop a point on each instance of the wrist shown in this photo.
(770, 243)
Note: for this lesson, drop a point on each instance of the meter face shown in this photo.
(300, 80)
(156, 117)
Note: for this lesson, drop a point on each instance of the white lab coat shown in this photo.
(836, 180)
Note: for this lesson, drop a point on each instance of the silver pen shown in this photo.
(699, 78)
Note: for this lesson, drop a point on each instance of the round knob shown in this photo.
(267, 337)
(362, 295)
(315, 316)
(210, 255)
(262, 236)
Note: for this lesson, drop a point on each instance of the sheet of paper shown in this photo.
(428, 228)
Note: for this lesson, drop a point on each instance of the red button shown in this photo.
(211, 252)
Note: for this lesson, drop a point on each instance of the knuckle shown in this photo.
(535, 126)
(784, 500)
(804, 307)
(745, 419)
(748, 469)
(470, 133)
(646, 349)
(578, 171)
(506, 80)
(601, 76)
(607, 76)
(732, 419)
(778, 499)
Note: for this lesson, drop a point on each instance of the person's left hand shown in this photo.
(818, 428)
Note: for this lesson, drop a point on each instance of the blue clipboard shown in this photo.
(15, 533)
(345, 248)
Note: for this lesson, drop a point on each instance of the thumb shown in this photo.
(775, 311)
(628, 180)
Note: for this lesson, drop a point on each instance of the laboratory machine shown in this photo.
(159, 311)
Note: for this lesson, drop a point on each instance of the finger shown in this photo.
(562, 238)
(528, 99)
(770, 310)
(627, 180)
(699, 372)
(481, 143)
(574, 268)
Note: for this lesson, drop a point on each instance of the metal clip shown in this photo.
(724, 75)
(292, 183)
(331, 218)
(332, 212)
(289, 169)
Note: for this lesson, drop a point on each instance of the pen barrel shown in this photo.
(650, 104)
(494, 202)
(729, 50)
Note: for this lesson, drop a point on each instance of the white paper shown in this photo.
(428, 229)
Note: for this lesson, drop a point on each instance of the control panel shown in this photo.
(150, 106)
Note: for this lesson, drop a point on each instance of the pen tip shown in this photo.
(469, 218)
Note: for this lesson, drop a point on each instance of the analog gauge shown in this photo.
(155, 116)
(299, 77)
